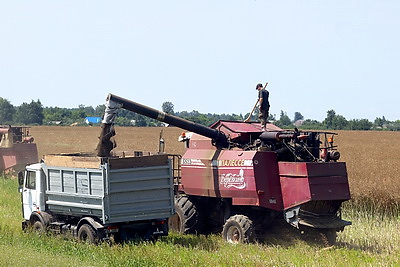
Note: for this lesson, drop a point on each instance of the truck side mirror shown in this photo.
(20, 178)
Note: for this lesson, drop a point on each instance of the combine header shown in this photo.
(237, 179)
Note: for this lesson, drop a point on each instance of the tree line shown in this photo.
(34, 113)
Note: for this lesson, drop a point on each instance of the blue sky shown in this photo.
(205, 55)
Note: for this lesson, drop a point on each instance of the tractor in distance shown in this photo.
(17, 148)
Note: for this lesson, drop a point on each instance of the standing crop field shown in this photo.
(372, 240)
(371, 156)
(54, 139)
(373, 167)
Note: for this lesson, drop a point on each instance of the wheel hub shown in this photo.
(233, 235)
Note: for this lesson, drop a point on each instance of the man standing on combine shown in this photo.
(263, 104)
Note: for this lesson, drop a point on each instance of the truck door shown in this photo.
(30, 199)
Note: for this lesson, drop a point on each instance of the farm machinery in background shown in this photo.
(17, 148)
(237, 180)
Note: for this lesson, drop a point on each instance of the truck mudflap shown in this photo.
(158, 228)
(92, 222)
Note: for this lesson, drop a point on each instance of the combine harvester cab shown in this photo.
(17, 148)
(238, 179)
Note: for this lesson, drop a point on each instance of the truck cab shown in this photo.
(32, 189)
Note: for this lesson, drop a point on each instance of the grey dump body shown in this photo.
(123, 190)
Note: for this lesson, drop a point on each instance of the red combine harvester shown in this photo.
(237, 179)
(16, 148)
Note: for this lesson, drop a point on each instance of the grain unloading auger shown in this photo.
(237, 179)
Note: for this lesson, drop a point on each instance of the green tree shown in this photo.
(7, 111)
(56, 114)
(330, 116)
(394, 126)
(254, 116)
(298, 116)
(31, 113)
(122, 121)
(284, 120)
(89, 110)
(312, 125)
(99, 110)
(168, 107)
(340, 123)
(380, 122)
(140, 121)
(271, 117)
(362, 124)
(335, 122)
(78, 114)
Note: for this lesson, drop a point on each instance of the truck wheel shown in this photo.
(87, 234)
(38, 227)
(187, 219)
(238, 229)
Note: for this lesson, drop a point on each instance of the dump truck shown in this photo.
(96, 199)
(237, 179)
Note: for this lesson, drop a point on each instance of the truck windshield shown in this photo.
(30, 180)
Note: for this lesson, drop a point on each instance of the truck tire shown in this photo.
(38, 222)
(187, 219)
(38, 227)
(86, 233)
(238, 229)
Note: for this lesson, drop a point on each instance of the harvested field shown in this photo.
(371, 156)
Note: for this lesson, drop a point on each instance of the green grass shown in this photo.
(372, 240)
